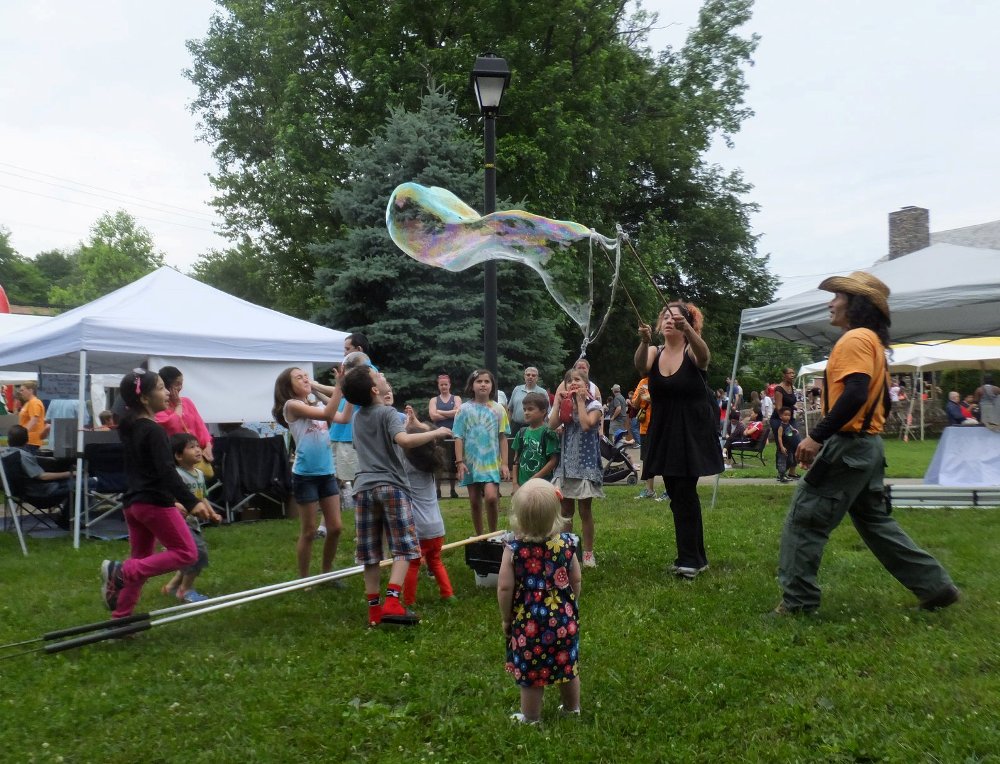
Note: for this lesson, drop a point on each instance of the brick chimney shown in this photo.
(909, 230)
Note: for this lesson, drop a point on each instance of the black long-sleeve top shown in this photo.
(150, 471)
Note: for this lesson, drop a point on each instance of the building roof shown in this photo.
(983, 235)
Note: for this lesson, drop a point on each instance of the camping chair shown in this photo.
(753, 448)
(8, 492)
(249, 468)
(17, 488)
(104, 473)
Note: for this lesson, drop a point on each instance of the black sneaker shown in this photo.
(111, 582)
(947, 596)
(406, 618)
(783, 611)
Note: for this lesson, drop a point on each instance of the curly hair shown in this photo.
(691, 312)
(861, 313)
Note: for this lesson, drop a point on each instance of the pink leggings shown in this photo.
(147, 524)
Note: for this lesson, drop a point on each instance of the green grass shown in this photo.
(905, 460)
(671, 670)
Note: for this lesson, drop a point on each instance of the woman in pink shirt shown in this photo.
(181, 415)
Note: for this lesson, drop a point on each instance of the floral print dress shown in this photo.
(544, 635)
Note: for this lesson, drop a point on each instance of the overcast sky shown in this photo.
(861, 108)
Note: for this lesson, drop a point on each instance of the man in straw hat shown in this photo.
(845, 457)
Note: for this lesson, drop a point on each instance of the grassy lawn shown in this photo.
(672, 671)
(905, 460)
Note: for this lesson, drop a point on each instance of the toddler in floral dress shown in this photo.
(538, 590)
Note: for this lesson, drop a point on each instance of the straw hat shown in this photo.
(863, 284)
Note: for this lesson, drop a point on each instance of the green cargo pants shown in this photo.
(853, 484)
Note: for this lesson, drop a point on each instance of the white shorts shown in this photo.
(576, 488)
(345, 460)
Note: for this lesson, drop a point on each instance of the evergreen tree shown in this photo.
(423, 320)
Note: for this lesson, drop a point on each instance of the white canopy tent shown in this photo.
(974, 353)
(943, 292)
(229, 350)
(14, 322)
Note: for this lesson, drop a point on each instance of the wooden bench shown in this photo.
(753, 448)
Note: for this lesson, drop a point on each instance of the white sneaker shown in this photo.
(564, 712)
(520, 718)
(321, 532)
(589, 561)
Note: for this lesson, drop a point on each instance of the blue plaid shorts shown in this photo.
(380, 512)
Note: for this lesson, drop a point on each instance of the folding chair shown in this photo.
(20, 498)
(8, 492)
(249, 468)
(104, 471)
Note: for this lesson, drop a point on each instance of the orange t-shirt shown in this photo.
(858, 351)
(643, 405)
(33, 408)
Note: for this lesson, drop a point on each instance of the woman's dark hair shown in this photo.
(427, 458)
(862, 314)
(179, 441)
(282, 393)
(169, 375)
(360, 341)
(470, 393)
(131, 389)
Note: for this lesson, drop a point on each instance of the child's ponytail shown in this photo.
(134, 385)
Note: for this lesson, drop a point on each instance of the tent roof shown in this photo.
(167, 314)
(15, 322)
(941, 292)
(977, 353)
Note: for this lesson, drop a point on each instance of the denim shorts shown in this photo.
(311, 488)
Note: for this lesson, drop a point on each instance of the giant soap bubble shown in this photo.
(435, 227)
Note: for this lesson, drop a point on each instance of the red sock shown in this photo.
(392, 603)
(374, 610)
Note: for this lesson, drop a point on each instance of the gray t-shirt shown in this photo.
(379, 461)
(423, 499)
(618, 422)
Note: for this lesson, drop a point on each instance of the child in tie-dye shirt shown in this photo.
(481, 429)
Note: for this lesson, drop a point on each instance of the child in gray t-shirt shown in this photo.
(382, 492)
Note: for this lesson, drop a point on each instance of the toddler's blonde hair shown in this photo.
(535, 511)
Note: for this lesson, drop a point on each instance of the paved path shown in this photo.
(705, 481)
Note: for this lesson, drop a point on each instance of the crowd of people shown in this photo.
(548, 444)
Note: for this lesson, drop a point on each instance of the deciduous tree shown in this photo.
(118, 252)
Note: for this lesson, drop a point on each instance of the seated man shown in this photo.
(957, 414)
(49, 488)
(737, 437)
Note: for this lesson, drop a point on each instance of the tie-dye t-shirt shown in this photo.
(478, 426)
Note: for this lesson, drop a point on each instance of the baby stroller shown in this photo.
(617, 463)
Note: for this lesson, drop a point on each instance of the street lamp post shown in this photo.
(489, 78)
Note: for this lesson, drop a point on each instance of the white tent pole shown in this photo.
(921, 405)
(725, 425)
(805, 407)
(80, 414)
